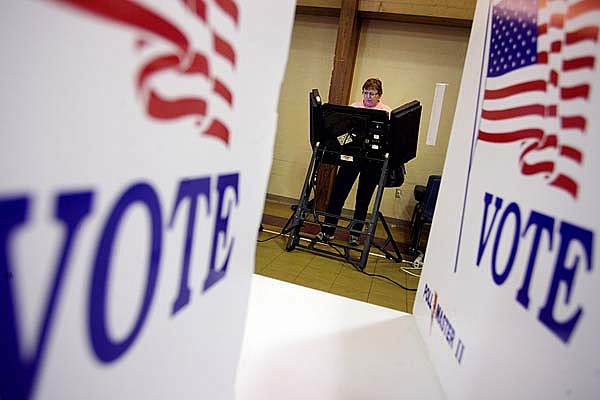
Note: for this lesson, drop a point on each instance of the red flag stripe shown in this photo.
(219, 130)
(198, 7)
(587, 33)
(579, 91)
(223, 91)
(507, 137)
(550, 140)
(538, 85)
(578, 63)
(556, 46)
(171, 109)
(553, 79)
(230, 8)
(223, 48)
(572, 153)
(574, 122)
(532, 146)
(496, 115)
(567, 184)
(156, 65)
(557, 21)
(199, 65)
(537, 168)
(582, 7)
(130, 13)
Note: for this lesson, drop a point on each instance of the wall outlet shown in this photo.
(398, 193)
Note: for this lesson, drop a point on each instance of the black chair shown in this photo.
(426, 197)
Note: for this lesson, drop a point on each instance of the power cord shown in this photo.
(284, 231)
(369, 274)
(417, 265)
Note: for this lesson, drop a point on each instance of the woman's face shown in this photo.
(370, 97)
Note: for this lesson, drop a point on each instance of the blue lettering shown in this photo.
(483, 238)
(564, 273)
(460, 349)
(445, 325)
(427, 295)
(189, 189)
(18, 373)
(449, 332)
(512, 208)
(540, 223)
(574, 241)
(108, 349)
(221, 224)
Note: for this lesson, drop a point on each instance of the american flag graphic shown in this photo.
(541, 72)
(215, 65)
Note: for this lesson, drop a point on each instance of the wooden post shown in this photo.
(346, 47)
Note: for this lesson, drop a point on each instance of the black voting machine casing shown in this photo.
(373, 133)
(404, 132)
(369, 136)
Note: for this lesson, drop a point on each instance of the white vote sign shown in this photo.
(134, 156)
(508, 300)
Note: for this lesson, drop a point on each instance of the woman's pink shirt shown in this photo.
(378, 106)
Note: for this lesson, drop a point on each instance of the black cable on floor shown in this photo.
(389, 279)
(312, 202)
(372, 275)
(269, 238)
(284, 231)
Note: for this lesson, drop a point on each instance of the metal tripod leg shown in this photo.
(374, 216)
(390, 239)
(297, 218)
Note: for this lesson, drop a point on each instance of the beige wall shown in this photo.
(309, 66)
(409, 59)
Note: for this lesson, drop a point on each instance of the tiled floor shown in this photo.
(332, 274)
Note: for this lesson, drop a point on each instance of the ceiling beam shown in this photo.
(436, 12)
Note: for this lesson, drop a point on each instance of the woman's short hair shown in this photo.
(374, 84)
